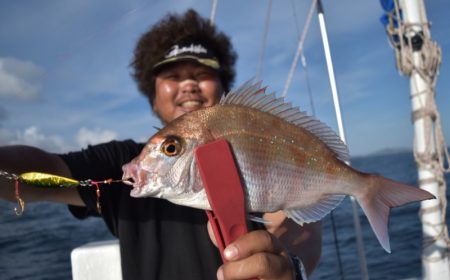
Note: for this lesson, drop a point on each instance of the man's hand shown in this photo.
(257, 254)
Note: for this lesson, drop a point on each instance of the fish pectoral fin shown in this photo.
(314, 212)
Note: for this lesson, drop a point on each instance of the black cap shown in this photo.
(189, 51)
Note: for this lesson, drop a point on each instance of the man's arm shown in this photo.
(20, 159)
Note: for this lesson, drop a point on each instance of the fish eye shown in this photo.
(171, 147)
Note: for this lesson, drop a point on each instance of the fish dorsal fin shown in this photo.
(252, 95)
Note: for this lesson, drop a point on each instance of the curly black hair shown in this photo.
(173, 29)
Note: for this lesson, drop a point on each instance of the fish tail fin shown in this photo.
(382, 195)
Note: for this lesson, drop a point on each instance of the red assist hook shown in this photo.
(20, 203)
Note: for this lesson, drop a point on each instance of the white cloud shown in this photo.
(88, 137)
(19, 79)
(32, 136)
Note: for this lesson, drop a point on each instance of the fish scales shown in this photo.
(274, 183)
(288, 161)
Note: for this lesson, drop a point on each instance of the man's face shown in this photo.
(185, 87)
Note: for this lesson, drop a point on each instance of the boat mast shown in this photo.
(435, 237)
(419, 58)
(337, 108)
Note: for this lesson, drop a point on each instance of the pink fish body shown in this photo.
(288, 161)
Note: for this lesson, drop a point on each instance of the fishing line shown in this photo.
(44, 180)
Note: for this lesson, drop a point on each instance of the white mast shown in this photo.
(337, 108)
(419, 58)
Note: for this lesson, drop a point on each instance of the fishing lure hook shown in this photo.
(20, 202)
(52, 181)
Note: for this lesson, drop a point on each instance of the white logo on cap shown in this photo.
(176, 50)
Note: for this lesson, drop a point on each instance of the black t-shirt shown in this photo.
(158, 239)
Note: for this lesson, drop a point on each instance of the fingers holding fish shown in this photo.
(258, 254)
(259, 266)
(252, 243)
(211, 234)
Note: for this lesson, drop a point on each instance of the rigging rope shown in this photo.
(264, 39)
(301, 42)
(294, 12)
(409, 40)
(304, 64)
(213, 12)
(430, 52)
(308, 86)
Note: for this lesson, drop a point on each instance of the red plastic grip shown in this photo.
(222, 182)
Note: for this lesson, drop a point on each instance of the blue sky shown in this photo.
(65, 80)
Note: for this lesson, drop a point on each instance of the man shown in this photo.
(182, 64)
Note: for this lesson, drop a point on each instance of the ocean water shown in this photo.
(405, 230)
(38, 244)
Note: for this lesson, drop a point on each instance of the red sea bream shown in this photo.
(288, 161)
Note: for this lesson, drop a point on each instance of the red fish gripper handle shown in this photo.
(224, 190)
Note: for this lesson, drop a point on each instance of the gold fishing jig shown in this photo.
(45, 180)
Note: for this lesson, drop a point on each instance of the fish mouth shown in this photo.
(133, 176)
(128, 181)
